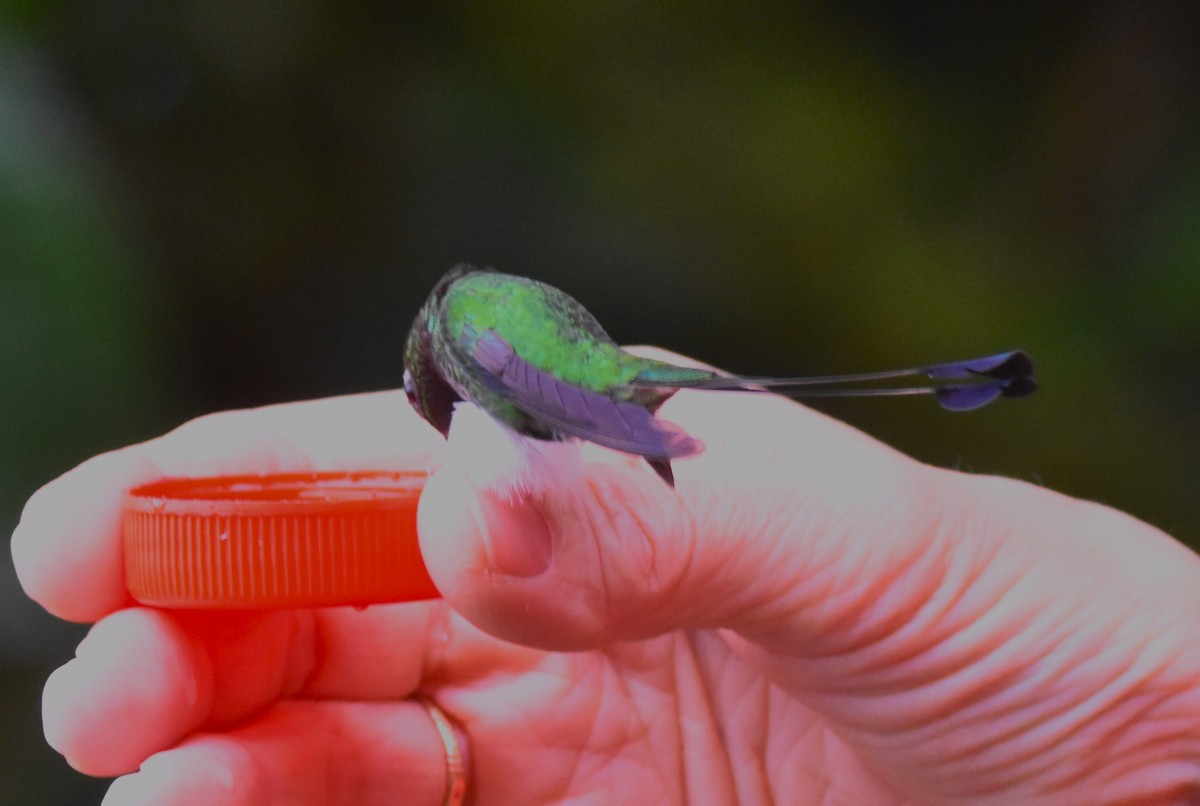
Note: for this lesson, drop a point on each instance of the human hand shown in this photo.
(808, 617)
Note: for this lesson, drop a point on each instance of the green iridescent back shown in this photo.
(546, 327)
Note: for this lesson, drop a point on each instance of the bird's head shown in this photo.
(424, 385)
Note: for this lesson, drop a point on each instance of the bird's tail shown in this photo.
(957, 385)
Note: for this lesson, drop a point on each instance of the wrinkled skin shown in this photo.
(809, 617)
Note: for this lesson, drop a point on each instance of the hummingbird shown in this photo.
(537, 362)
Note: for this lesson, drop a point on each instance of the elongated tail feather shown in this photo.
(974, 382)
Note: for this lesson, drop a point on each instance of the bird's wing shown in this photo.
(620, 425)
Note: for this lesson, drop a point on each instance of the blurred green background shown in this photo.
(223, 204)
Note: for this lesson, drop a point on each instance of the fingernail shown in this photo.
(516, 535)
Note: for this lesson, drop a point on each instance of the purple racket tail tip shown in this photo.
(1011, 365)
(967, 398)
(1012, 373)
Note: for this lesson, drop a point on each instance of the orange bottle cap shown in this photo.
(275, 541)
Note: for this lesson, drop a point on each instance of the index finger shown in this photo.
(67, 546)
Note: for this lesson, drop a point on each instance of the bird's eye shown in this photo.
(410, 388)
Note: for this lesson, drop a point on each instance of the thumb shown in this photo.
(758, 528)
(559, 569)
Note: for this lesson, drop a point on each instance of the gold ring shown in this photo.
(456, 752)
